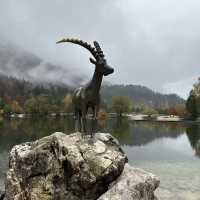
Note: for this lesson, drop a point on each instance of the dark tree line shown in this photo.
(193, 101)
(21, 96)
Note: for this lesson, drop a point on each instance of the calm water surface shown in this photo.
(169, 150)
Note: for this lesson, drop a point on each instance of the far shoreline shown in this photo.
(130, 116)
(160, 118)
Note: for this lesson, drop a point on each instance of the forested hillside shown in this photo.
(21, 95)
(141, 95)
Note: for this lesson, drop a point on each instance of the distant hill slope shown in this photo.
(13, 87)
(140, 94)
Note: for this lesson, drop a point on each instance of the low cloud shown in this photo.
(152, 43)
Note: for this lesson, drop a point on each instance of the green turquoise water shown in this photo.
(169, 150)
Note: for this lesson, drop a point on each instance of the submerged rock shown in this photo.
(64, 167)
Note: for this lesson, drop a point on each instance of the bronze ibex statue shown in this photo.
(88, 96)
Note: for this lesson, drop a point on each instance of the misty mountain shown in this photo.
(17, 62)
(140, 95)
(23, 65)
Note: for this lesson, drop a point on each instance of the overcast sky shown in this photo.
(155, 43)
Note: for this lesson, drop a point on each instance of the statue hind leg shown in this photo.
(76, 119)
(95, 110)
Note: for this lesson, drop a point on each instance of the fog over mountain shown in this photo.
(151, 43)
(19, 63)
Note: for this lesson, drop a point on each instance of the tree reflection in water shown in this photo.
(142, 133)
(121, 130)
(193, 133)
(16, 131)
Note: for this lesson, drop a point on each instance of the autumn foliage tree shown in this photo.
(67, 103)
(172, 110)
(16, 108)
(181, 110)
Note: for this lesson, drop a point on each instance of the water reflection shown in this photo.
(193, 133)
(142, 133)
(15, 131)
(121, 130)
(146, 143)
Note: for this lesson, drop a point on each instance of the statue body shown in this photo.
(88, 96)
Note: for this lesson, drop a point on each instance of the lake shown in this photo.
(169, 150)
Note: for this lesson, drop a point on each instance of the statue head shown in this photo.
(99, 60)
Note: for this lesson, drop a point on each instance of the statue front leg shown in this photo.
(84, 114)
(77, 120)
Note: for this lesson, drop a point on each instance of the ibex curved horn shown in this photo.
(81, 43)
(98, 49)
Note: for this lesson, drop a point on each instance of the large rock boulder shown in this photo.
(64, 167)
(133, 184)
(73, 167)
